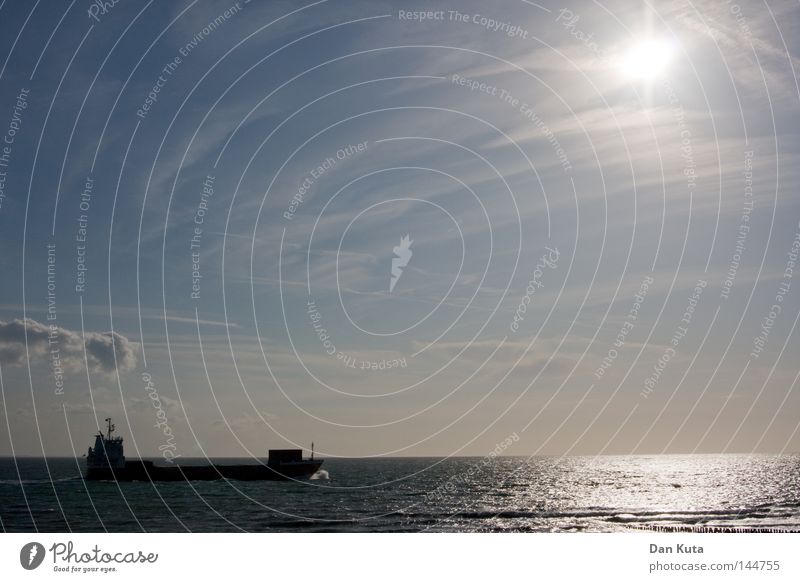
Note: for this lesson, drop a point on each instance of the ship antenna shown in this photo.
(110, 427)
(312, 450)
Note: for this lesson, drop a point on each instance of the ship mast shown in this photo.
(111, 427)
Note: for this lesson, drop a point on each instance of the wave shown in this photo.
(626, 517)
(712, 529)
(23, 482)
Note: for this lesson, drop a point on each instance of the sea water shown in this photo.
(539, 494)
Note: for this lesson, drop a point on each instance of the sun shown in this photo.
(647, 59)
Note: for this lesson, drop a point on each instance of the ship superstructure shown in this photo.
(107, 451)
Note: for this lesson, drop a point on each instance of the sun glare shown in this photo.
(647, 59)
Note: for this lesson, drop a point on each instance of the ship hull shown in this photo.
(147, 471)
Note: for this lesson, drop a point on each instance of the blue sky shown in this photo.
(554, 198)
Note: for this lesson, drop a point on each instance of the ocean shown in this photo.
(505, 494)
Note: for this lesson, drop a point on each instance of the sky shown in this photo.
(400, 229)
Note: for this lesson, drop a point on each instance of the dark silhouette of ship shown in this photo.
(106, 462)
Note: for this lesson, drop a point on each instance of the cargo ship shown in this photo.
(106, 462)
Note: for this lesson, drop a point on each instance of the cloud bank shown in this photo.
(104, 352)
